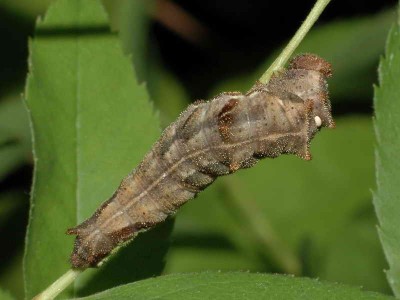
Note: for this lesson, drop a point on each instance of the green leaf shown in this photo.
(387, 127)
(15, 140)
(234, 286)
(92, 125)
(352, 47)
(4, 295)
(356, 245)
(197, 258)
(203, 236)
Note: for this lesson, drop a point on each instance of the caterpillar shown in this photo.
(210, 139)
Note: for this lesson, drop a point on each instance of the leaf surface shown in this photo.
(234, 286)
(92, 125)
(356, 245)
(5, 295)
(387, 128)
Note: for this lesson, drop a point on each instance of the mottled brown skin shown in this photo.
(210, 139)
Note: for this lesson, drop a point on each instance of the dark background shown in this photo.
(242, 33)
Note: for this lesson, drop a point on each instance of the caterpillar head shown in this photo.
(306, 77)
(312, 72)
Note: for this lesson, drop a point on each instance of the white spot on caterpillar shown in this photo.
(280, 102)
(318, 121)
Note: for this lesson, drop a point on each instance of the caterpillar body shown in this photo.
(210, 139)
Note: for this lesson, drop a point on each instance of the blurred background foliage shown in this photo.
(308, 218)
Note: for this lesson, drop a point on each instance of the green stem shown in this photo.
(58, 286)
(282, 59)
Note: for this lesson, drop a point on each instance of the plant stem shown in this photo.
(58, 286)
(282, 59)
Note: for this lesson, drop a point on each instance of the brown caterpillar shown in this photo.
(210, 139)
